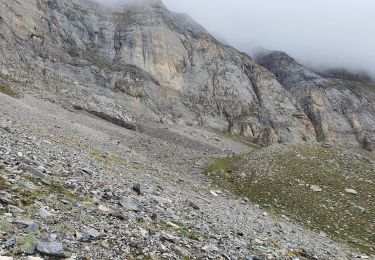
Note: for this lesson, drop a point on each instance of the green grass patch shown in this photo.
(25, 244)
(223, 165)
(5, 225)
(28, 197)
(8, 91)
(59, 189)
(32, 210)
(280, 178)
(65, 229)
(189, 233)
(55, 190)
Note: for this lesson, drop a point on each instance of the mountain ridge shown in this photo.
(341, 110)
(147, 63)
(129, 133)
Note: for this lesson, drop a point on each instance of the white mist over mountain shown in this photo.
(319, 33)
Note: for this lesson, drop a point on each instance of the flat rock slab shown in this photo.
(51, 249)
(131, 204)
(351, 191)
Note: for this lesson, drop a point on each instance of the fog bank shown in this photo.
(334, 33)
(319, 33)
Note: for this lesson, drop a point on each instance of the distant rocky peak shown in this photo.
(121, 4)
(274, 56)
(287, 70)
(345, 74)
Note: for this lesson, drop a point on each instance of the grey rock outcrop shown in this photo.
(341, 110)
(142, 62)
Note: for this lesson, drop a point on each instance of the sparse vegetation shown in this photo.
(7, 90)
(29, 196)
(61, 190)
(32, 210)
(188, 233)
(128, 17)
(65, 229)
(3, 184)
(223, 165)
(5, 225)
(280, 180)
(24, 244)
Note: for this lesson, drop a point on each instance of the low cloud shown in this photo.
(319, 33)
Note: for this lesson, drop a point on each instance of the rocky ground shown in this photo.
(329, 189)
(75, 186)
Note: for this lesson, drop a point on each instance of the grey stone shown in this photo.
(94, 233)
(193, 205)
(10, 242)
(131, 204)
(84, 237)
(23, 223)
(65, 201)
(32, 228)
(138, 189)
(171, 213)
(181, 251)
(316, 188)
(35, 172)
(170, 238)
(44, 213)
(51, 248)
(118, 215)
(210, 248)
(351, 191)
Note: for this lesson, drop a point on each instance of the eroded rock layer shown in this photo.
(141, 62)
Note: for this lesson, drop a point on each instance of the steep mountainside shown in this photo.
(341, 110)
(142, 62)
(110, 121)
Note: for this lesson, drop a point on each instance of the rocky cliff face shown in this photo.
(141, 62)
(341, 110)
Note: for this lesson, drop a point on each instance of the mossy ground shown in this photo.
(3, 184)
(59, 197)
(280, 179)
(28, 196)
(25, 243)
(5, 225)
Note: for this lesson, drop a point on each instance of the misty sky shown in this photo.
(317, 32)
(338, 33)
